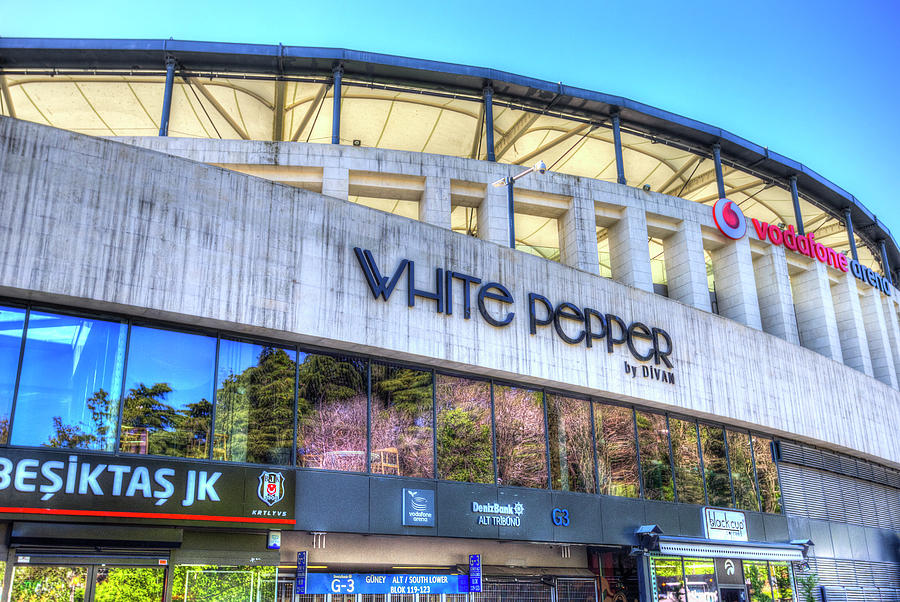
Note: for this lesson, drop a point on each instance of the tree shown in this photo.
(96, 435)
(464, 446)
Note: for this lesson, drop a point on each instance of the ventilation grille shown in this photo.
(825, 495)
(803, 455)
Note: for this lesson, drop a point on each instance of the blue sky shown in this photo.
(815, 81)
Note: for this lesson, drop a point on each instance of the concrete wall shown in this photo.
(98, 224)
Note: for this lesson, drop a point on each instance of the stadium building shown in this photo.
(285, 323)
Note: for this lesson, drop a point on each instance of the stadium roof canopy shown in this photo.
(275, 92)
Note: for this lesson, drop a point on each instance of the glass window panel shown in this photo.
(79, 406)
(32, 583)
(757, 575)
(12, 325)
(464, 445)
(254, 403)
(718, 488)
(402, 421)
(700, 577)
(332, 405)
(169, 392)
(686, 456)
(134, 584)
(653, 444)
(616, 451)
(767, 473)
(203, 583)
(521, 445)
(782, 582)
(742, 477)
(667, 579)
(571, 444)
(619, 577)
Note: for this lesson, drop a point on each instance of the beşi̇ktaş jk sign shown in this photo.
(573, 324)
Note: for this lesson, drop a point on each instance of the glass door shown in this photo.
(46, 583)
(733, 594)
(86, 583)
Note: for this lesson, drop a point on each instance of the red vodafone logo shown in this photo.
(730, 219)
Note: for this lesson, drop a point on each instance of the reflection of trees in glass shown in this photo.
(616, 452)
(86, 358)
(782, 585)
(152, 426)
(48, 584)
(686, 456)
(767, 473)
(757, 575)
(742, 478)
(653, 446)
(98, 434)
(255, 408)
(133, 584)
(669, 579)
(700, 578)
(521, 445)
(173, 416)
(715, 463)
(571, 444)
(332, 406)
(402, 421)
(465, 449)
(223, 584)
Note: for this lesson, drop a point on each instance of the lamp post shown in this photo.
(509, 182)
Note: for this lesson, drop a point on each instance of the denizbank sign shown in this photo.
(52, 483)
(574, 324)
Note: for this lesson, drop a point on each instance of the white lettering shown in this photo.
(55, 480)
(191, 485)
(168, 489)
(89, 479)
(118, 470)
(22, 473)
(5, 468)
(205, 486)
(140, 479)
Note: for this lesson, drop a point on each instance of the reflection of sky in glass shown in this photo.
(235, 357)
(67, 360)
(183, 361)
(11, 323)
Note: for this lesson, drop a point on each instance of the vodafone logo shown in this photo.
(730, 219)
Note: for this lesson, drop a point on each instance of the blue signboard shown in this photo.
(375, 583)
(300, 580)
(418, 507)
(474, 572)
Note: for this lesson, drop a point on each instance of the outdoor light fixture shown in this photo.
(509, 182)
(648, 537)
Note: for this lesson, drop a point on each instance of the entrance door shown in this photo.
(84, 583)
(733, 594)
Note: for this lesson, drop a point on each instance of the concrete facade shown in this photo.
(98, 224)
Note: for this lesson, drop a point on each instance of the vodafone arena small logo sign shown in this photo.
(730, 219)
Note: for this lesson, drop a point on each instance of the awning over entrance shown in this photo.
(751, 550)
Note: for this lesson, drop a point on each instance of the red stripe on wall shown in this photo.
(202, 517)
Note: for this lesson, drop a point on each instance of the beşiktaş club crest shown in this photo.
(271, 487)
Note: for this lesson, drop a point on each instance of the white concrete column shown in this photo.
(434, 208)
(773, 290)
(629, 250)
(578, 234)
(493, 221)
(815, 312)
(735, 284)
(686, 266)
(336, 182)
(852, 330)
(877, 334)
(892, 325)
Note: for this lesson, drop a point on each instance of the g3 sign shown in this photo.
(560, 517)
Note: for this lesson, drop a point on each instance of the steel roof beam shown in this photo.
(7, 100)
(516, 131)
(221, 110)
(313, 107)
